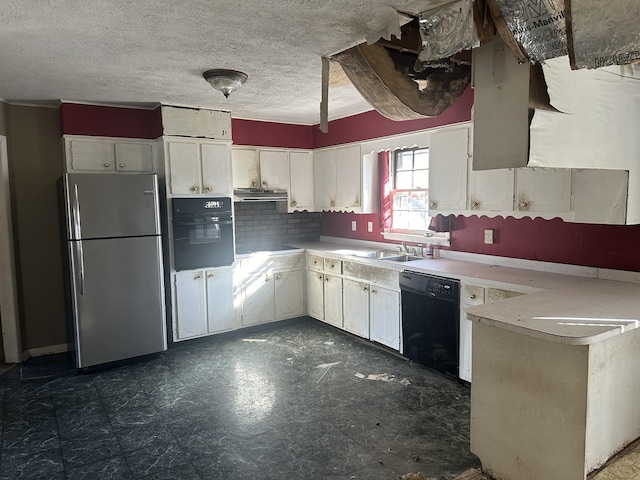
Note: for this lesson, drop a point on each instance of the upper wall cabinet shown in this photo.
(301, 195)
(500, 108)
(196, 166)
(104, 154)
(194, 122)
(448, 163)
(266, 169)
(345, 180)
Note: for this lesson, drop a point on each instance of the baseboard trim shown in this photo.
(48, 350)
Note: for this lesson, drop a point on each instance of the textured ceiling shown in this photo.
(146, 52)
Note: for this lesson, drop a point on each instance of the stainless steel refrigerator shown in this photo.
(114, 251)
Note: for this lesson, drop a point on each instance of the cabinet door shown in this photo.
(315, 295)
(348, 178)
(324, 179)
(245, 167)
(258, 299)
(385, 317)
(216, 169)
(333, 300)
(470, 295)
(220, 314)
(184, 168)
(191, 318)
(448, 159)
(355, 296)
(301, 184)
(491, 190)
(92, 156)
(543, 190)
(600, 196)
(274, 169)
(134, 157)
(289, 294)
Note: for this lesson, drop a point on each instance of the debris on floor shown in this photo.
(415, 476)
(327, 365)
(383, 377)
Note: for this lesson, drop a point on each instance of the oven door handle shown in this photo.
(181, 223)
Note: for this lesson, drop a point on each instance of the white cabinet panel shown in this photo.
(91, 156)
(448, 160)
(184, 168)
(601, 196)
(385, 317)
(324, 179)
(289, 293)
(220, 314)
(134, 157)
(245, 165)
(348, 178)
(274, 169)
(258, 300)
(333, 300)
(190, 304)
(216, 169)
(543, 190)
(196, 122)
(301, 181)
(355, 296)
(491, 190)
(315, 295)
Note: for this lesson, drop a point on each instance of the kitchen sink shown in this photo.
(403, 258)
(377, 254)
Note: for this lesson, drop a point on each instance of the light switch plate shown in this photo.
(353, 225)
(488, 236)
(369, 227)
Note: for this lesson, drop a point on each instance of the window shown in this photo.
(410, 192)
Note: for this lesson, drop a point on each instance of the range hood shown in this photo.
(259, 195)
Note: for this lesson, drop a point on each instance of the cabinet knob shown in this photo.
(332, 203)
(475, 204)
(524, 204)
(319, 277)
(365, 288)
(197, 276)
(293, 203)
(210, 275)
(207, 189)
(326, 279)
(268, 277)
(472, 296)
(121, 165)
(433, 204)
(106, 165)
(278, 276)
(194, 188)
(265, 184)
(374, 291)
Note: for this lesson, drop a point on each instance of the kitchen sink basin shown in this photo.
(403, 258)
(377, 254)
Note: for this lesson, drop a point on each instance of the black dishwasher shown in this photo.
(430, 321)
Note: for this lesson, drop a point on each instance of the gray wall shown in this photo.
(35, 164)
(261, 226)
(4, 118)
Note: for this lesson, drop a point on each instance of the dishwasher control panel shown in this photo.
(444, 288)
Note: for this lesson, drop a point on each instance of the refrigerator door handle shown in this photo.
(81, 265)
(75, 213)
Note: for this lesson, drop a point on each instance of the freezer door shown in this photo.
(111, 205)
(118, 297)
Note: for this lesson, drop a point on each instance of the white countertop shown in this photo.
(568, 309)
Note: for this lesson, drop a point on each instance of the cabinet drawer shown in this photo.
(496, 294)
(472, 295)
(315, 262)
(332, 265)
(286, 262)
(377, 275)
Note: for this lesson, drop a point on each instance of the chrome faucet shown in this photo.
(404, 246)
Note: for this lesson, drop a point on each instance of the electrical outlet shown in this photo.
(488, 236)
(353, 226)
(369, 227)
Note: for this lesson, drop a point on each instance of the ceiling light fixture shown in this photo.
(227, 81)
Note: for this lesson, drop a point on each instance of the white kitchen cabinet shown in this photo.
(600, 196)
(190, 305)
(448, 161)
(355, 297)
(289, 294)
(274, 169)
(471, 295)
(102, 154)
(198, 167)
(491, 190)
(203, 303)
(258, 299)
(301, 196)
(543, 190)
(348, 178)
(246, 167)
(384, 307)
(333, 300)
(220, 295)
(324, 176)
(315, 294)
(196, 122)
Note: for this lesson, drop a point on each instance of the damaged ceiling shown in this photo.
(146, 52)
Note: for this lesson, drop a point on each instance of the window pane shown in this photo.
(418, 201)
(404, 179)
(404, 160)
(421, 159)
(400, 219)
(421, 179)
(418, 220)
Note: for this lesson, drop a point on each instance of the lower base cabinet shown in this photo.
(333, 300)
(355, 297)
(315, 295)
(203, 303)
(384, 307)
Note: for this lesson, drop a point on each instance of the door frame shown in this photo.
(9, 317)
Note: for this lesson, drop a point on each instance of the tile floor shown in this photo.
(292, 402)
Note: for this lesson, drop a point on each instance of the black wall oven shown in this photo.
(202, 232)
(430, 321)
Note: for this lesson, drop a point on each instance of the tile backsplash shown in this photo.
(259, 226)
